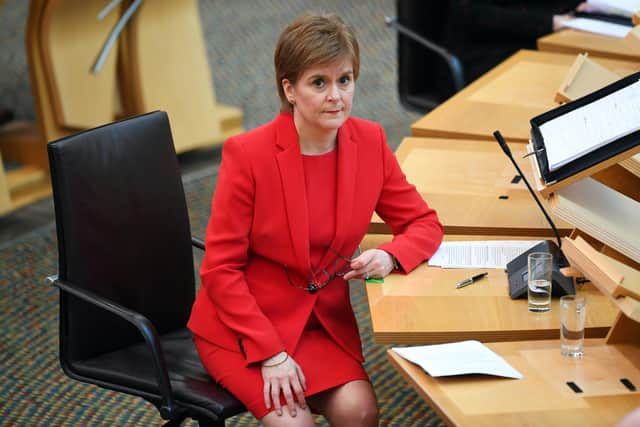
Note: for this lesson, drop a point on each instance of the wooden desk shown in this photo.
(464, 181)
(424, 307)
(506, 98)
(596, 45)
(542, 397)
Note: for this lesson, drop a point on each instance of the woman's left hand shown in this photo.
(372, 263)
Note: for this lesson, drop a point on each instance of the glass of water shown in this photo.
(539, 280)
(573, 313)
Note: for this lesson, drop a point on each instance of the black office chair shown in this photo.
(126, 269)
(428, 73)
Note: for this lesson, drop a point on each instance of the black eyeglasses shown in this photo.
(341, 266)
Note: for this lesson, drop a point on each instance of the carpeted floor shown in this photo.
(35, 392)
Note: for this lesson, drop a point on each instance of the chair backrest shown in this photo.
(123, 232)
(424, 79)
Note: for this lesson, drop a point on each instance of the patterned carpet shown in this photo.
(35, 392)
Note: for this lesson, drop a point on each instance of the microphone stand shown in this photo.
(503, 144)
(518, 268)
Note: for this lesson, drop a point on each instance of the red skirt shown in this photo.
(324, 364)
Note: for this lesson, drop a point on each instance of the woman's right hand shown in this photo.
(286, 377)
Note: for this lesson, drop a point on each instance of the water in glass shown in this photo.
(572, 321)
(539, 295)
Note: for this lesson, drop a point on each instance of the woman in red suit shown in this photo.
(272, 321)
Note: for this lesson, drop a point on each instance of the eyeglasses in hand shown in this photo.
(321, 278)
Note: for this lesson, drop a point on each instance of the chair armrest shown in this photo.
(452, 60)
(197, 242)
(147, 330)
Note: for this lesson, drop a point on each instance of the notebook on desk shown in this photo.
(583, 133)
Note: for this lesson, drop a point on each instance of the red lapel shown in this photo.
(292, 178)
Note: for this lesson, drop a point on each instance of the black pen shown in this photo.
(470, 280)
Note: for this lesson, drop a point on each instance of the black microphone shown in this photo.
(517, 269)
(503, 144)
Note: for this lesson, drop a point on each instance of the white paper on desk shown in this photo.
(479, 253)
(619, 7)
(598, 27)
(459, 358)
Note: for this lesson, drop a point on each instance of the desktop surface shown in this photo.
(424, 307)
(507, 97)
(574, 42)
(473, 186)
(542, 397)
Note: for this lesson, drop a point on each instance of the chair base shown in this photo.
(202, 423)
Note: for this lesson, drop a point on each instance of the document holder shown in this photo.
(584, 77)
(590, 162)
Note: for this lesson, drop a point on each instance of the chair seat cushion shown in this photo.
(133, 367)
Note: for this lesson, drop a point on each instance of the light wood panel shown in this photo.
(71, 38)
(574, 42)
(542, 397)
(424, 307)
(632, 165)
(23, 144)
(584, 76)
(38, 75)
(174, 75)
(617, 280)
(506, 98)
(469, 183)
(5, 201)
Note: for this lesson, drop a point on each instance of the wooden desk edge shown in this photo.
(417, 338)
(393, 358)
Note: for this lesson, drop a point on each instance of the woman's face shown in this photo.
(322, 96)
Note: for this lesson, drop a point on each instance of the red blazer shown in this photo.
(259, 224)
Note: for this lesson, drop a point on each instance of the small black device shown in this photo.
(518, 269)
(518, 272)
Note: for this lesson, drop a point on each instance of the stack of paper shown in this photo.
(618, 7)
(479, 254)
(598, 27)
(601, 212)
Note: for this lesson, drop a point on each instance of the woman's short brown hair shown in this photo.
(313, 40)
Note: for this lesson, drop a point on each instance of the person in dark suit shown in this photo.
(272, 321)
(483, 33)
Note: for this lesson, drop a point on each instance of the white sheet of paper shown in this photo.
(598, 27)
(591, 126)
(459, 358)
(621, 7)
(480, 253)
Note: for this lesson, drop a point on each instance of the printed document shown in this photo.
(480, 253)
(591, 126)
(458, 358)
